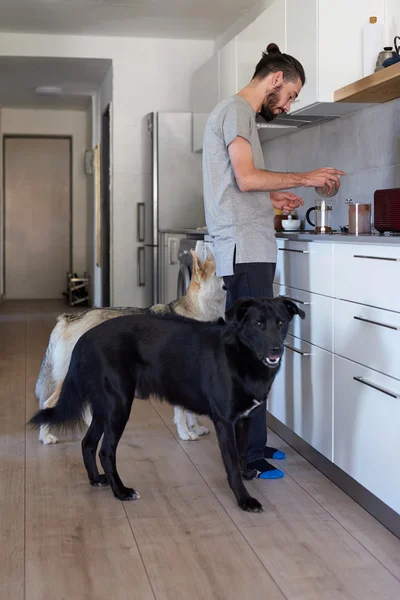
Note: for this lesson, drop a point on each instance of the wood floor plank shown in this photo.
(305, 549)
(79, 543)
(380, 542)
(12, 458)
(191, 548)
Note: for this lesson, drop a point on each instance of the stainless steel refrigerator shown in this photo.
(174, 201)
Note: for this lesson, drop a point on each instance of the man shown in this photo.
(240, 196)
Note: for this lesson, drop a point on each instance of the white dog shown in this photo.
(204, 301)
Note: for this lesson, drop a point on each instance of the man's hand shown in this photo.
(323, 178)
(286, 201)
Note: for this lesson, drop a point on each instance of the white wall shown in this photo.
(148, 75)
(60, 122)
(248, 17)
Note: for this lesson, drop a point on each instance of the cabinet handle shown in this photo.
(375, 387)
(376, 257)
(297, 351)
(292, 250)
(140, 221)
(294, 300)
(141, 266)
(364, 320)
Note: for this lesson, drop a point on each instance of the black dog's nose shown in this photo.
(275, 350)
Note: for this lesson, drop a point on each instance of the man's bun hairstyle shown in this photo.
(274, 61)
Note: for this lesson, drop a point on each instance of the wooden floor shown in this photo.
(185, 538)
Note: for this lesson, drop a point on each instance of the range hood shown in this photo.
(309, 116)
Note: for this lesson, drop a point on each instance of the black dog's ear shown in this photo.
(293, 309)
(238, 310)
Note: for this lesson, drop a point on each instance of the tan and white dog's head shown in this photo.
(209, 288)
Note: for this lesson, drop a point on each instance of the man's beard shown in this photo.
(270, 103)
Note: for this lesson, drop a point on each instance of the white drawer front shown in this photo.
(305, 266)
(368, 335)
(317, 327)
(368, 274)
(366, 429)
(301, 396)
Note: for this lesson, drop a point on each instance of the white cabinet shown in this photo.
(317, 327)
(228, 81)
(366, 426)
(204, 91)
(326, 37)
(369, 336)
(305, 266)
(368, 274)
(339, 383)
(269, 27)
(301, 396)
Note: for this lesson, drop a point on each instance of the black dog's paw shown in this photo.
(102, 481)
(126, 494)
(248, 474)
(250, 505)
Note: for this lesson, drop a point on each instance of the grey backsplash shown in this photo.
(366, 145)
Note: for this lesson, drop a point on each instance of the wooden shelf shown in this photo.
(382, 86)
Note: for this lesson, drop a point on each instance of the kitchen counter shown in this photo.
(339, 238)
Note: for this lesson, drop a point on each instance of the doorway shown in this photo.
(37, 215)
(105, 206)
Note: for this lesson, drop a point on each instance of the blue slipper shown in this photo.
(279, 455)
(270, 452)
(274, 474)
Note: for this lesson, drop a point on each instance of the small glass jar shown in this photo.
(359, 218)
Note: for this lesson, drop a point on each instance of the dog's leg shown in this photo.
(45, 436)
(113, 430)
(227, 443)
(182, 426)
(44, 433)
(87, 416)
(242, 441)
(89, 448)
(194, 426)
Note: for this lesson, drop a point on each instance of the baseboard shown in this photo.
(378, 509)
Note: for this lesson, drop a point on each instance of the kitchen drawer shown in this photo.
(370, 336)
(366, 429)
(317, 327)
(301, 395)
(368, 274)
(305, 266)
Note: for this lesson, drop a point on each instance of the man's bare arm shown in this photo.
(251, 179)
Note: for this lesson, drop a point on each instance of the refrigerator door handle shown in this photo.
(140, 221)
(141, 266)
(173, 251)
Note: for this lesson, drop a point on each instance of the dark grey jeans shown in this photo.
(252, 280)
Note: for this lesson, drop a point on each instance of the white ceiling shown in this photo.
(78, 78)
(197, 19)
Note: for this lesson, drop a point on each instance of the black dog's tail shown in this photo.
(67, 413)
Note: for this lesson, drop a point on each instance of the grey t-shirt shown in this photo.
(244, 220)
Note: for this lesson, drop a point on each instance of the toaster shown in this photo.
(387, 210)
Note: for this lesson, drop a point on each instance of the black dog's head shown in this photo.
(262, 325)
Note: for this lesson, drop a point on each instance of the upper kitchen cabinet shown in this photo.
(269, 27)
(228, 70)
(326, 37)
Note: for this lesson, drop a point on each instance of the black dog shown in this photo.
(223, 370)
